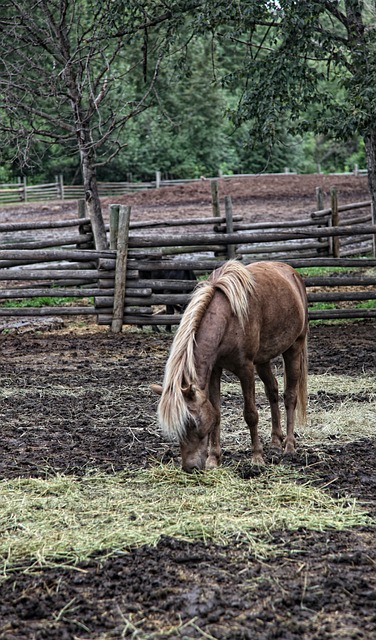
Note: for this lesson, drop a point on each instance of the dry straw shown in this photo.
(342, 407)
(65, 519)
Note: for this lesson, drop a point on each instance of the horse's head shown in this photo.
(194, 441)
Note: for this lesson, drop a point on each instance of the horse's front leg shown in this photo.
(271, 389)
(214, 448)
(247, 381)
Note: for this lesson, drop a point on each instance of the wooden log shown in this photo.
(106, 318)
(51, 265)
(137, 293)
(349, 221)
(358, 240)
(279, 256)
(229, 226)
(52, 293)
(290, 224)
(56, 224)
(47, 255)
(42, 274)
(341, 296)
(174, 251)
(335, 221)
(354, 205)
(215, 198)
(114, 225)
(62, 241)
(171, 285)
(46, 311)
(330, 262)
(152, 300)
(349, 281)
(298, 247)
(121, 268)
(142, 311)
(319, 198)
(137, 254)
(244, 238)
(341, 208)
(331, 314)
(142, 224)
(355, 251)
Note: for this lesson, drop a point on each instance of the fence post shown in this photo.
(121, 268)
(320, 206)
(114, 225)
(335, 221)
(24, 183)
(215, 198)
(81, 208)
(319, 199)
(373, 213)
(157, 179)
(60, 185)
(229, 226)
(85, 227)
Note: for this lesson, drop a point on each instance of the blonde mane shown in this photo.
(236, 282)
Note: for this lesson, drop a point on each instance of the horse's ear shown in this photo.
(157, 388)
(189, 392)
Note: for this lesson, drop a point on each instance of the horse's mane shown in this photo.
(237, 284)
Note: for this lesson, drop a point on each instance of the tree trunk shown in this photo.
(370, 144)
(92, 199)
(362, 65)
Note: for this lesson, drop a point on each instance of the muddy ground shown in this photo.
(322, 585)
(257, 198)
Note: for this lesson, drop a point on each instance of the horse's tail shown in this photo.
(301, 405)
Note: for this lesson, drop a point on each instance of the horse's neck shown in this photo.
(209, 338)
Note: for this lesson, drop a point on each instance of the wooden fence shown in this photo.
(124, 285)
(21, 191)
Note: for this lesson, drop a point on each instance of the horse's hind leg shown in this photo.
(214, 449)
(271, 389)
(292, 360)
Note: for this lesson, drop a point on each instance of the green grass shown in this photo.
(43, 301)
(309, 272)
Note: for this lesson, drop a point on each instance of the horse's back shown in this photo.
(280, 306)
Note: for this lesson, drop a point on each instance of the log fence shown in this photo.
(112, 286)
(21, 191)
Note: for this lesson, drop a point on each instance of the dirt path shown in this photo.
(323, 584)
(263, 197)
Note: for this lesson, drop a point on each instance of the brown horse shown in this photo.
(239, 319)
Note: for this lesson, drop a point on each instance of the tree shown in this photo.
(307, 66)
(67, 70)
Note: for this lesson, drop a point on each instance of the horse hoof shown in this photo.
(289, 448)
(258, 460)
(212, 463)
(289, 452)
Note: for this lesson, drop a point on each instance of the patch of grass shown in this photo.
(310, 272)
(65, 519)
(367, 304)
(43, 301)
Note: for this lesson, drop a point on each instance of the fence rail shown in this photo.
(62, 262)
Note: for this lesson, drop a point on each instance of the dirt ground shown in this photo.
(257, 198)
(322, 585)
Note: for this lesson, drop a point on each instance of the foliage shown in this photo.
(196, 89)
